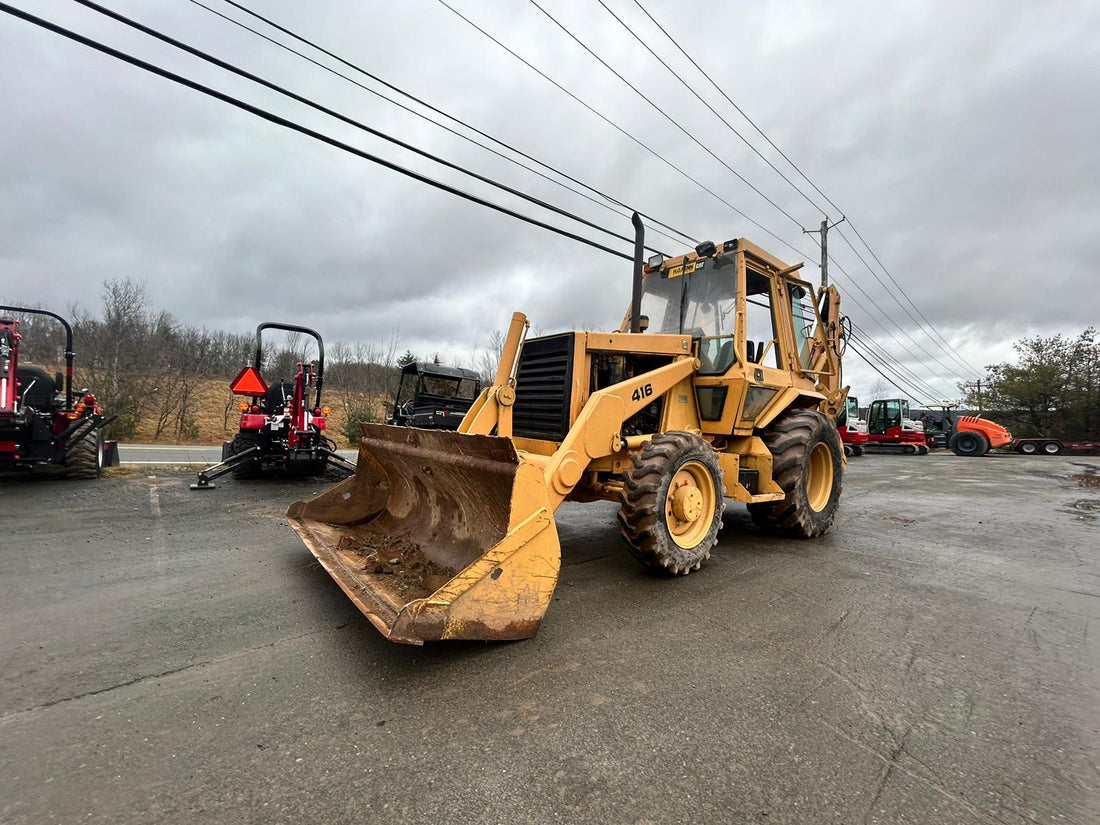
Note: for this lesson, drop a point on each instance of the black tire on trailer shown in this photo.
(250, 467)
(84, 459)
(1052, 447)
(1027, 448)
(968, 443)
(806, 464)
(672, 502)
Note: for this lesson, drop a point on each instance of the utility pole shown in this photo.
(824, 233)
(976, 387)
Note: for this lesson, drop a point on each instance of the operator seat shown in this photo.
(278, 396)
(36, 387)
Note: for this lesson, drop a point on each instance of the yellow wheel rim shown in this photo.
(819, 477)
(689, 505)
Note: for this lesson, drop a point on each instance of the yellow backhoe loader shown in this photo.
(722, 382)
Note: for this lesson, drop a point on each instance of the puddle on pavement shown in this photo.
(1085, 509)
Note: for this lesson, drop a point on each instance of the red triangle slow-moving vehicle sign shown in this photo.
(248, 382)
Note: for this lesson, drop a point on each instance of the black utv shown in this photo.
(434, 397)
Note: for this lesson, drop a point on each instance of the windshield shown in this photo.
(804, 321)
(849, 413)
(407, 390)
(450, 387)
(661, 302)
(699, 303)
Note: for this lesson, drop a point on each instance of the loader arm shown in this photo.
(828, 346)
(597, 431)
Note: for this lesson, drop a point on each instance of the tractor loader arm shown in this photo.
(597, 431)
(828, 347)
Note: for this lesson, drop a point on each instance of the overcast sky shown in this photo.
(961, 139)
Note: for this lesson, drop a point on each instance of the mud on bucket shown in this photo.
(438, 535)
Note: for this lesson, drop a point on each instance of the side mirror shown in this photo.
(58, 381)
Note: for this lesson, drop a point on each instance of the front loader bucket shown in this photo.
(438, 535)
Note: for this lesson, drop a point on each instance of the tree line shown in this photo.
(1053, 389)
(145, 365)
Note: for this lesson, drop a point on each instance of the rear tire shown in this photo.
(250, 468)
(672, 503)
(806, 463)
(1028, 448)
(967, 443)
(1052, 448)
(84, 459)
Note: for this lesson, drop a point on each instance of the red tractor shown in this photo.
(853, 431)
(279, 428)
(890, 428)
(39, 422)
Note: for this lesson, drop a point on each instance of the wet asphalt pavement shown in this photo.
(178, 657)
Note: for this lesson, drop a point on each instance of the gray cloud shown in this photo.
(960, 139)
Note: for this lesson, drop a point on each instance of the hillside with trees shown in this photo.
(167, 380)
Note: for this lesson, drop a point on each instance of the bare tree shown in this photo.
(488, 359)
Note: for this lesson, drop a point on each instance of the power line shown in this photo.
(603, 204)
(613, 71)
(893, 378)
(442, 113)
(229, 67)
(886, 315)
(893, 294)
(855, 229)
(664, 114)
(720, 91)
(943, 344)
(281, 121)
(288, 124)
(614, 125)
(892, 381)
(699, 97)
(897, 367)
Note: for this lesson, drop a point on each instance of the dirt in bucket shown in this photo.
(410, 572)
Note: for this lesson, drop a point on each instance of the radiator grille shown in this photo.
(542, 388)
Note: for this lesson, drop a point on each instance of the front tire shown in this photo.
(84, 460)
(806, 464)
(967, 443)
(672, 503)
(1028, 448)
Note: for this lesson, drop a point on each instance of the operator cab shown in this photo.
(696, 294)
(849, 416)
(886, 415)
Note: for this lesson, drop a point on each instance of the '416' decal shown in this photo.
(642, 392)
